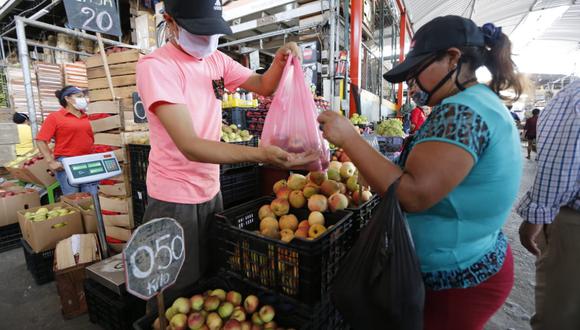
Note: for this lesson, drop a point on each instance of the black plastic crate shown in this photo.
(139, 160)
(289, 313)
(240, 185)
(39, 264)
(109, 310)
(140, 202)
(363, 214)
(10, 236)
(301, 269)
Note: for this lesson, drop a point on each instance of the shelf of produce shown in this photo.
(302, 269)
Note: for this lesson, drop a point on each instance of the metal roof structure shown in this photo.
(546, 29)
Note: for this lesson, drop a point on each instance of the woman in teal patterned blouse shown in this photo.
(460, 173)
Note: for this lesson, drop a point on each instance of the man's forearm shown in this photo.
(271, 79)
(45, 150)
(206, 151)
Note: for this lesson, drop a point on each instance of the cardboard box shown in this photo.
(89, 221)
(78, 199)
(118, 189)
(84, 246)
(106, 124)
(121, 205)
(38, 173)
(123, 220)
(44, 235)
(10, 205)
(122, 234)
(9, 133)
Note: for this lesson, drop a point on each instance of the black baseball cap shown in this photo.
(439, 34)
(201, 17)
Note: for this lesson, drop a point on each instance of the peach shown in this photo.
(318, 177)
(302, 232)
(280, 184)
(268, 223)
(280, 207)
(283, 193)
(289, 221)
(337, 201)
(304, 224)
(329, 187)
(316, 231)
(265, 212)
(297, 199)
(318, 203)
(336, 165)
(334, 174)
(297, 182)
(316, 218)
(310, 189)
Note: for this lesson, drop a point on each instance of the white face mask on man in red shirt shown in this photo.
(198, 46)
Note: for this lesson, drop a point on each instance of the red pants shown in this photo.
(469, 309)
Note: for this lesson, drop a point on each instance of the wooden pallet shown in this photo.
(122, 67)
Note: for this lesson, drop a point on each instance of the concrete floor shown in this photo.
(25, 305)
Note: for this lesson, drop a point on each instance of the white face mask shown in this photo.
(197, 45)
(81, 103)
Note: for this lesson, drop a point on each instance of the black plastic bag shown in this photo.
(379, 285)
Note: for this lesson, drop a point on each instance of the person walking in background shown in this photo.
(24, 133)
(530, 131)
(551, 213)
(514, 115)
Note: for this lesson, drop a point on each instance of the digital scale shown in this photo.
(92, 169)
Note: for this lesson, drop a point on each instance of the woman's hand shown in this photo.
(55, 166)
(336, 128)
(282, 54)
(280, 158)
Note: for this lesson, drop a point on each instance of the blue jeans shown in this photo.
(68, 188)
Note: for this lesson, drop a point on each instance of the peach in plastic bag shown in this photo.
(291, 121)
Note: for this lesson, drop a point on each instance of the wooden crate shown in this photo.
(69, 285)
(105, 94)
(115, 69)
(132, 55)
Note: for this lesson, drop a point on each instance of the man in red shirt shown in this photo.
(530, 131)
(72, 133)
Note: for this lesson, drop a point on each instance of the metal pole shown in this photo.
(270, 34)
(72, 32)
(355, 50)
(2, 49)
(36, 15)
(331, 53)
(36, 44)
(100, 226)
(24, 61)
(381, 50)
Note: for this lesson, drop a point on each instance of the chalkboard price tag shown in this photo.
(94, 15)
(153, 257)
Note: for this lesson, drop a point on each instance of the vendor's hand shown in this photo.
(336, 128)
(290, 48)
(55, 166)
(528, 234)
(280, 158)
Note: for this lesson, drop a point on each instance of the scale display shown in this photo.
(91, 168)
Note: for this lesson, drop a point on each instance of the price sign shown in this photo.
(94, 15)
(153, 257)
(139, 115)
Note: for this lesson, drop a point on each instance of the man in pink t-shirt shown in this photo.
(181, 85)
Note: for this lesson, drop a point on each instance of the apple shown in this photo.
(316, 231)
(267, 313)
(234, 297)
(211, 303)
(335, 165)
(170, 313)
(352, 183)
(195, 321)
(333, 174)
(256, 319)
(366, 196)
(286, 235)
(226, 309)
(283, 193)
(310, 189)
(329, 187)
(318, 203)
(179, 322)
(315, 218)
(265, 211)
(302, 232)
(289, 221)
(297, 199)
(214, 321)
(304, 224)
(251, 304)
(280, 184)
(182, 305)
(337, 202)
(196, 302)
(318, 177)
(280, 207)
(239, 314)
(347, 170)
(268, 223)
(232, 325)
(297, 181)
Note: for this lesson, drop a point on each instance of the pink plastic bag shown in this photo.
(291, 121)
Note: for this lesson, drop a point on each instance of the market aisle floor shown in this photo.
(25, 305)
